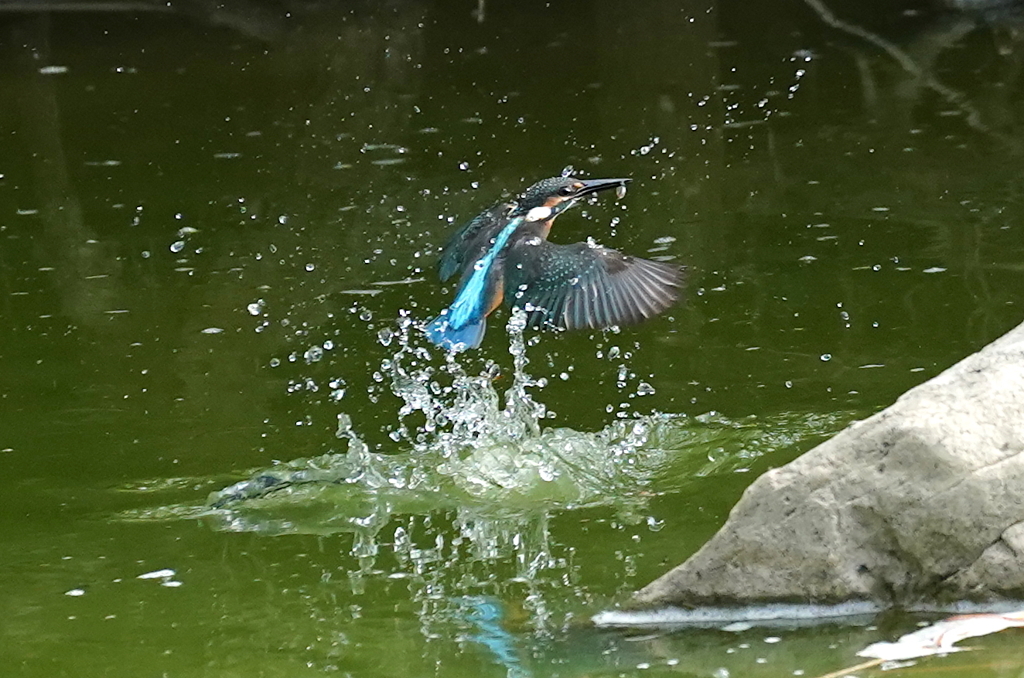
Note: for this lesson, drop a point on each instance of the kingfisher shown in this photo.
(504, 253)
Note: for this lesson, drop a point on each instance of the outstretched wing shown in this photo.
(585, 285)
(472, 240)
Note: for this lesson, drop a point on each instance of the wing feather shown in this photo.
(586, 286)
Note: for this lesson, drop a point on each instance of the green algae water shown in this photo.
(227, 450)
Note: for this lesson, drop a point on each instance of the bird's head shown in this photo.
(548, 198)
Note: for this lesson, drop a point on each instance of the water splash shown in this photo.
(482, 456)
(462, 510)
(468, 446)
(464, 505)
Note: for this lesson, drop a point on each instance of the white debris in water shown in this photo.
(74, 593)
(157, 574)
(738, 627)
(941, 637)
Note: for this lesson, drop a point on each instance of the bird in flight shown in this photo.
(504, 253)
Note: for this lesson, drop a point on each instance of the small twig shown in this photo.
(847, 671)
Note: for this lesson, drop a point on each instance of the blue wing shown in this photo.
(473, 240)
(463, 323)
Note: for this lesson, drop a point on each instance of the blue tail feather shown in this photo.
(442, 333)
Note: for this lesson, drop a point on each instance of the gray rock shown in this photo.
(923, 502)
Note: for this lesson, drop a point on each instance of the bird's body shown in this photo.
(504, 253)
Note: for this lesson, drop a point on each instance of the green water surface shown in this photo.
(213, 216)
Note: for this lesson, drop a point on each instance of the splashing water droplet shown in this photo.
(645, 389)
(468, 445)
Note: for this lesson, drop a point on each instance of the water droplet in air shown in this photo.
(177, 246)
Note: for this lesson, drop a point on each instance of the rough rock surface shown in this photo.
(922, 502)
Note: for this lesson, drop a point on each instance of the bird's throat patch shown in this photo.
(538, 213)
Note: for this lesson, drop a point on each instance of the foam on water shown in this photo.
(738, 618)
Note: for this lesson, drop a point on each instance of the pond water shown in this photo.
(219, 227)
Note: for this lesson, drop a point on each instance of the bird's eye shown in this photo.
(566, 191)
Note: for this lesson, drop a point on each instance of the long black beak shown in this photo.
(595, 185)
